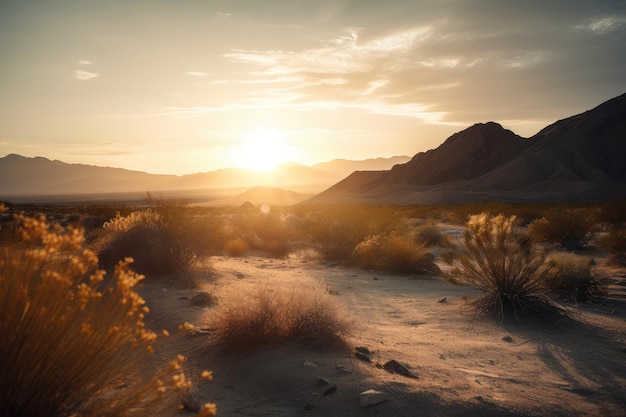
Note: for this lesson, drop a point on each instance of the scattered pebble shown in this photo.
(508, 339)
(372, 397)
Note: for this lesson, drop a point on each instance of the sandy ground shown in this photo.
(466, 364)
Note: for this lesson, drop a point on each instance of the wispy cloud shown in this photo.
(221, 15)
(84, 62)
(85, 75)
(602, 25)
(198, 74)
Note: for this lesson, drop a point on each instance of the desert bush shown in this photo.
(236, 247)
(394, 253)
(253, 315)
(429, 236)
(574, 277)
(570, 228)
(615, 243)
(156, 245)
(336, 231)
(73, 344)
(265, 230)
(502, 264)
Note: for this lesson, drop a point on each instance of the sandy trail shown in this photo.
(466, 364)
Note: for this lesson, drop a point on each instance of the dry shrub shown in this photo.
(154, 242)
(236, 247)
(266, 230)
(394, 253)
(615, 243)
(574, 277)
(336, 231)
(72, 344)
(253, 315)
(504, 266)
(429, 236)
(569, 228)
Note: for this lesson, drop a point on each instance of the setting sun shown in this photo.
(263, 149)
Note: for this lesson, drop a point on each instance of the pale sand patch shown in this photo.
(463, 364)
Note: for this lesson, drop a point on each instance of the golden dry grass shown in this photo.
(73, 343)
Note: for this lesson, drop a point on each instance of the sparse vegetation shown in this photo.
(152, 239)
(615, 243)
(574, 277)
(236, 247)
(336, 231)
(569, 228)
(73, 343)
(505, 266)
(429, 236)
(394, 253)
(255, 315)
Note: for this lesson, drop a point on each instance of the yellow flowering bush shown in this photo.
(74, 343)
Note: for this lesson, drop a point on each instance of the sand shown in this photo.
(466, 364)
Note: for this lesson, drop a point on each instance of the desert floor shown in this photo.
(466, 364)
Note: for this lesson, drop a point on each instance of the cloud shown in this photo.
(85, 75)
(199, 74)
(84, 62)
(221, 15)
(602, 25)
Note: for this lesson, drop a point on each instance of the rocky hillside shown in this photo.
(581, 158)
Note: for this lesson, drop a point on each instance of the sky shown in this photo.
(186, 86)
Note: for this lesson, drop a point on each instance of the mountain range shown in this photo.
(578, 159)
(22, 176)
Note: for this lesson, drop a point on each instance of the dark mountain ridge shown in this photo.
(579, 158)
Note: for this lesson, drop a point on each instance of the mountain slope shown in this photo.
(580, 158)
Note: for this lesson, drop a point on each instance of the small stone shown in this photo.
(362, 357)
(444, 300)
(239, 275)
(395, 367)
(322, 382)
(372, 397)
(342, 369)
(190, 403)
(363, 349)
(309, 364)
(508, 339)
(331, 388)
(479, 398)
(203, 299)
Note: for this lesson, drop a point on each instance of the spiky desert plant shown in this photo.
(73, 343)
(504, 266)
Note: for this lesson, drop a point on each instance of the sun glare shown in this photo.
(263, 149)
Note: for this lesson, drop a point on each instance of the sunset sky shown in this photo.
(189, 86)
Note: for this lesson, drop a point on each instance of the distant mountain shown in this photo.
(581, 158)
(22, 176)
(263, 195)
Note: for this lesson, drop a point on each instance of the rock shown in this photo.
(308, 364)
(203, 299)
(362, 357)
(342, 369)
(372, 397)
(508, 339)
(331, 388)
(322, 382)
(190, 403)
(363, 349)
(239, 275)
(444, 300)
(396, 367)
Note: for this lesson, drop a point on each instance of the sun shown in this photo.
(263, 149)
